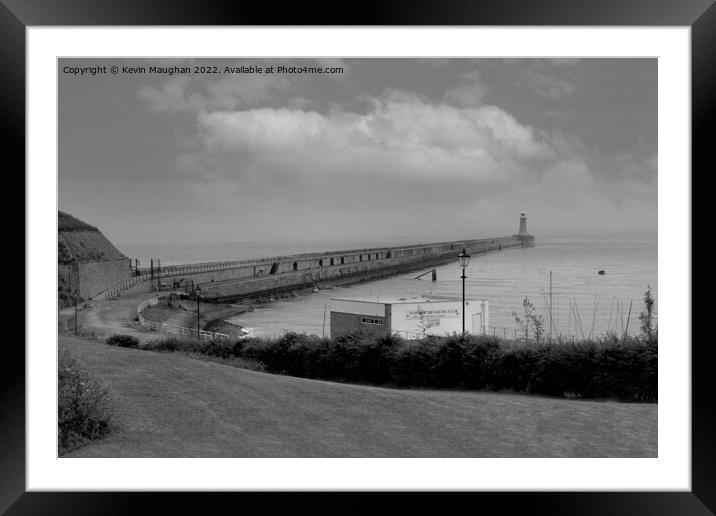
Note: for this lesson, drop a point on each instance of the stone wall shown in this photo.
(96, 277)
(67, 278)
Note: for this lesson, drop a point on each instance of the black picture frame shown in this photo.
(17, 15)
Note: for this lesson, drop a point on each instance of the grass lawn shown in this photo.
(172, 405)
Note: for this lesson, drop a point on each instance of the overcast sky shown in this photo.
(403, 149)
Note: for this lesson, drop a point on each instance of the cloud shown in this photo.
(402, 156)
(470, 92)
(172, 96)
(402, 131)
(216, 192)
(229, 93)
(563, 62)
(550, 78)
(547, 85)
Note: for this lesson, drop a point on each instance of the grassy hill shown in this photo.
(80, 242)
(170, 405)
(68, 223)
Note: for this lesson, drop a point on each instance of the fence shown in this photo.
(173, 270)
(144, 274)
(498, 332)
(124, 285)
(172, 329)
(501, 333)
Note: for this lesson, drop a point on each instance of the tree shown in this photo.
(528, 319)
(422, 323)
(648, 328)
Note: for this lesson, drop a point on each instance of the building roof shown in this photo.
(78, 242)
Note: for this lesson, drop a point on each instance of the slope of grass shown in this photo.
(170, 405)
(67, 223)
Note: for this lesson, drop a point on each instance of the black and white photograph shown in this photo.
(358, 258)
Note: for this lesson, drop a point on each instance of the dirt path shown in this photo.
(106, 317)
(171, 405)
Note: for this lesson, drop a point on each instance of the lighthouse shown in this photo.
(527, 239)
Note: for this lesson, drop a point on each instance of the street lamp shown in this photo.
(463, 259)
(76, 329)
(197, 291)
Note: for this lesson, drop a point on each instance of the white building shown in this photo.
(411, 318)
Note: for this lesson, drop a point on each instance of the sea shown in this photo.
(584, 303)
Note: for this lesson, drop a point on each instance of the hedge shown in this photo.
(623, 369)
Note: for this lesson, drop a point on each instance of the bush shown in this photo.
(612, 368)
(83, 405)
(242, 363)
(183, 344)
(123, 341)
(221, 351)
(623, 369)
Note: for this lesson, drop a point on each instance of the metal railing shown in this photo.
(123, 285)
(171, 328)
(492, 331)
(145, 274)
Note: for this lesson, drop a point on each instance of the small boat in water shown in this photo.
(601, 272)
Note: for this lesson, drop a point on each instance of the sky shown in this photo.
(410, 150)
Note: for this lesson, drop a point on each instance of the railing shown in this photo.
(493, 331)
(409, 335)
(174, 270)
(173, 329)
(416, 335)
(499, 332)
(144, 274)
(124, 285)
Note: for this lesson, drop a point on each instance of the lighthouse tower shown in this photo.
(523, 225)
(527, 239)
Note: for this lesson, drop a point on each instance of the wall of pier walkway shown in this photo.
(231, 281)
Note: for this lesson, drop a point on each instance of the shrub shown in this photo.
(123, 341)
(613, 368)
(243, 363)
(221, 351)
(183, 344)
(83, 405)
(624, 369)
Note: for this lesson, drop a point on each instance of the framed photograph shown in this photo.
(426, 251)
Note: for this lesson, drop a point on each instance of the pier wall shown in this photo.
(268, 277)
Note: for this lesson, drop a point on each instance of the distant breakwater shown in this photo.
(266, 278)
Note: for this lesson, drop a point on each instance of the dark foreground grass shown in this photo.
(172, 405)
(84, 407)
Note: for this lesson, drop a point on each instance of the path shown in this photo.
(105, 317)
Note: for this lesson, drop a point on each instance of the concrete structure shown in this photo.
(268, 278)
(527, 239)
(412, 318)
(264, 278)
(86, 261)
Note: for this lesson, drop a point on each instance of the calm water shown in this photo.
(583, 302)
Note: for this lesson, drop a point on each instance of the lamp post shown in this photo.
(76, 329)
(197, 291)
(463, 259)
